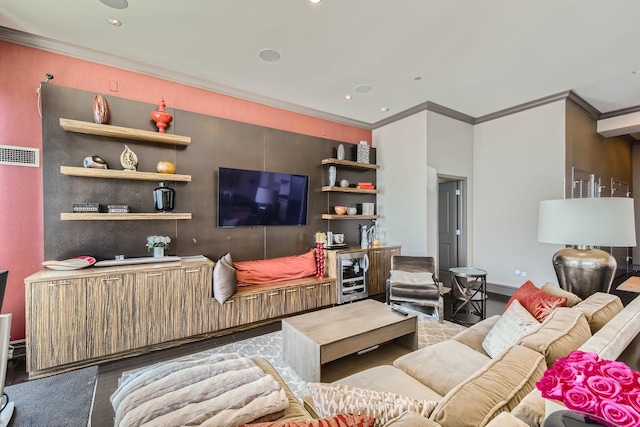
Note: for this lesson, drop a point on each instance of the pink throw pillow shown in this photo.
(537, 302)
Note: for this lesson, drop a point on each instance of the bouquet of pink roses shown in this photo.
(604, 390)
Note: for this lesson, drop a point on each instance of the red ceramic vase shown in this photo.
(161, 117)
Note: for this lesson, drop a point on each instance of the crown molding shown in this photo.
(426, 106)
(620, 112)
(91, 55)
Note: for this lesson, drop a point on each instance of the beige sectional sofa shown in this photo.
(455, 383)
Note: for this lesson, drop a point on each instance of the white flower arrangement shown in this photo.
(158, 242)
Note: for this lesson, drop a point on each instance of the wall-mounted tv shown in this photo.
(250, 198)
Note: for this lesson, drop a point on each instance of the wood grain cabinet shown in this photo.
(56, 331)
(74, 317)
(379, 268)
(110, 302)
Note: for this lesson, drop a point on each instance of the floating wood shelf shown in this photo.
(81, 216)
(349, 190)
(336, 216)
(350, 164)
(122, 132)
(121, 174)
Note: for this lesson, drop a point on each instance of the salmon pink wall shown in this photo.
(21, 207)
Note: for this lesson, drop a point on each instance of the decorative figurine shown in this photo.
(165, 166)
(128, 159)
(100, 110)
(95, 162)
(161, 117)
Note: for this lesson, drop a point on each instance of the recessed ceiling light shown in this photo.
(116, 4)
(115, 22)
(417, 78)
(636, 72)
(384, 109)
(363, 88)
(269, 55)
(315, 1)
(348, 97)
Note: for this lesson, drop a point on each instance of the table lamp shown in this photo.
(583, 224)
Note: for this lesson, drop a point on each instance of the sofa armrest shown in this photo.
(474, 335)
(599, 308)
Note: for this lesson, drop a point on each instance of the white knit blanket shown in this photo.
(198, 390)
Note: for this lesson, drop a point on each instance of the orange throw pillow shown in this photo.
(276, 269)
(338, 420)
(537, 302)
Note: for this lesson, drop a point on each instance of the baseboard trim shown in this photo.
(496, 288)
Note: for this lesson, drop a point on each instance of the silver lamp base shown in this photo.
(584, 271)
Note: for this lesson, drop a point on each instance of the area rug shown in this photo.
(62, 400)
(269, 346)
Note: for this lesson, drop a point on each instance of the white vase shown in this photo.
(332, 176)
(158, 252)
(340, 152)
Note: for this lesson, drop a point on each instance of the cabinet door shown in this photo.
(312, 296)
(157, 306)
(193, 293)
(294, 298)
(274, 304)
(110, 325)
(229, 313)
(328, 293)
(57, 330)
(250, 307)
(375, 275)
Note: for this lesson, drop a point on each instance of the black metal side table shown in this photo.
(468, 293)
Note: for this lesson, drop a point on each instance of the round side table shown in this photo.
(468, 293)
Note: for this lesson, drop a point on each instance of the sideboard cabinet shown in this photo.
(73, 316)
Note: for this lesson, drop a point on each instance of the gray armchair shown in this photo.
(415, 288)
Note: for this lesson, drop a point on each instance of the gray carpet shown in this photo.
(62, 400)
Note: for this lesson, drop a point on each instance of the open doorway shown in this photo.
(452, 225)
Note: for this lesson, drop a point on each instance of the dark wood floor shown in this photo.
(110, 372)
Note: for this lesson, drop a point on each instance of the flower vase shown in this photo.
(158, 252)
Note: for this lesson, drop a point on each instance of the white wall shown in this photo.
(402, 154)
(450, 153)
(518, 161)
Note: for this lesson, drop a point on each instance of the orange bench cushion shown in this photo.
(276, 269)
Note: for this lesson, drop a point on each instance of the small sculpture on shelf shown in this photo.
(128, 159)
(100, 110)
(163, 198)
(165, 166)
(95, 162)
(161, 117)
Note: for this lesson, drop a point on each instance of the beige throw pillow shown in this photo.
(224, 279)
(515, 323)
(399, 276)
(332, 399)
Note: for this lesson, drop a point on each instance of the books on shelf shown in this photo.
(365, 185)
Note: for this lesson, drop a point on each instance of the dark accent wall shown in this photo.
(215, 142)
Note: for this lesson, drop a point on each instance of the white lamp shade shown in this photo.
(602, 221)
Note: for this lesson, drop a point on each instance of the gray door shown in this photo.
(448, 229)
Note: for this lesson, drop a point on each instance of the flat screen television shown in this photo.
(250, 198)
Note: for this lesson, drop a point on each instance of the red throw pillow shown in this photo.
(276, 269)
(537, 302)
(338, 420)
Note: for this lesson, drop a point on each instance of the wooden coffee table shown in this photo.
(313, 339)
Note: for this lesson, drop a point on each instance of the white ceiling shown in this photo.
(475, 57)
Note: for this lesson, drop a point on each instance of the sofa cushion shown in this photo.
(531, 409)
(563, 331)
(224, 279)
(475, 334)
(599, 308)
(553, 289)
(506, 419)
(276, 269)
(387, 378)
(536, 301)
(340, 420)
(515, 323)
(426, 365)
(411, 419)
(331, 399)
(497, 387)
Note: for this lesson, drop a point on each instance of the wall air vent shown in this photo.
(19, 156)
